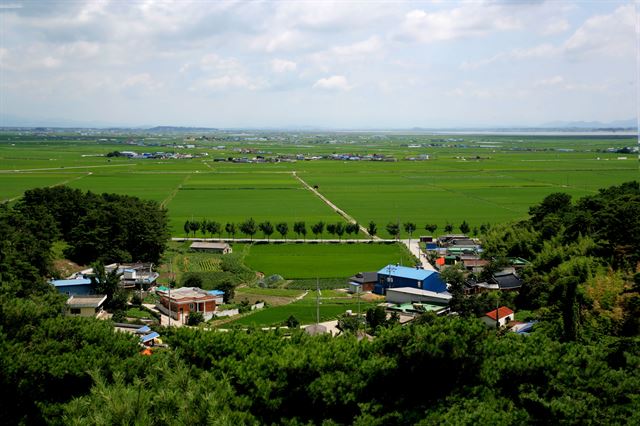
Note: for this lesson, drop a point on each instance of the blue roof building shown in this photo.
(393, 276)
(75, 287)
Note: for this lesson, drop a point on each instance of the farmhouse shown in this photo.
(85, 305)
(181, 301)
(221, 248)
(498, 317)
(362, 281)
(74, 287)
(394, 276)
(506, 280)
(134, 274)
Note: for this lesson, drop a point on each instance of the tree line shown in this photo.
(250, 228)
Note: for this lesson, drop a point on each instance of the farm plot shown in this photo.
(304, 310)
(147, 186)
(14, 184)
(234, 197)
(324, 260)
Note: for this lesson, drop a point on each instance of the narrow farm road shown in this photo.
(335, 208)
(64, 182)
(414, 247)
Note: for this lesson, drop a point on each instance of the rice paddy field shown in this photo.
(477, 178)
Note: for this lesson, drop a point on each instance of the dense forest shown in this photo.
(581, 364)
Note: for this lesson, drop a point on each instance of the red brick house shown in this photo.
(181, 301)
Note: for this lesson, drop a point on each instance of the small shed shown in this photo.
(85, 305)
(499, 317)
(220, 248)
(362, 281)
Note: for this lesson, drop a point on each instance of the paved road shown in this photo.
(414, 248)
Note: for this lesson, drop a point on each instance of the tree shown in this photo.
(204, 227)
(372, 229)
(300, 228)
(187, 227)
(195, 318)
(348, 323)
(108, 283)
(266, 228)
(393, 229)
(431, 227)
(230, 229)
(317, 229)
(248, 227)
(192, 281)
(409, 227)
(376, 317)
(331, 228)
(352, 228)
(292, 322)
(454, 276)
(214, 228)
(464, 227)
(195, 226)
(340, 229)
(448, 228)
(283, 229)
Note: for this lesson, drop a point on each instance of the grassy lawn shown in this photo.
(278, 292)
(324, 260)
(137, 313)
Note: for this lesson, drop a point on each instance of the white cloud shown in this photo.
(555, 26)
(227, 82)
(610, 35)
(143, 80)
(365, 47)
(335, 82)
(282, 65)
(551, 81)
(470, 20)
(212, 62)
(288, 40)
(542, 51)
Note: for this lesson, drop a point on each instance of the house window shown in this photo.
(75, 311)
(191, 306)
(419, 284)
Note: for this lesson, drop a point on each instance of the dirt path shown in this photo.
(64, 182)
(175, 191)
(335, 208)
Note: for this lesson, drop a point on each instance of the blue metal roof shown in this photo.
(216, 292)
(406, 272)
(148, 337)
(143, 329)
(77, 281)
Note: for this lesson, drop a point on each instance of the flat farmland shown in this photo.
(234, 197)
(324, 260)
(477, 178)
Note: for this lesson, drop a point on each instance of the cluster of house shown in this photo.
(459, 249)
(82, 298)
(180, 302)
(160, 155)
(416, 290)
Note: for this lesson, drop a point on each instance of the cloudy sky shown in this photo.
(347, 64)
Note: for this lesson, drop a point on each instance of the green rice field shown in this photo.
(477, 178)
(324, 260)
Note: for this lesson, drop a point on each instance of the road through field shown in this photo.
(330, 204)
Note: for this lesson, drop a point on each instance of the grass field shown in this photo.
(477, 178)
(324, 260)
(304, 310)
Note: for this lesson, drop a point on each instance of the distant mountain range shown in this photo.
(618, 124)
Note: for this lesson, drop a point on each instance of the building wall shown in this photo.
(432, 283)
(76, 290)
(84, 312)
(492, 323)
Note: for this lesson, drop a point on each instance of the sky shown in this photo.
(346, 64)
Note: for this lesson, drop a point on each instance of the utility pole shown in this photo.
(318, 301)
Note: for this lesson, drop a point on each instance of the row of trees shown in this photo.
(250, 228)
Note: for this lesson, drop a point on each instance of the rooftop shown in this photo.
(502, 312)
(364, 277)
(188, 293)
(406, 272)
(94, 301)
(419, 292)
(205, 245)
(77, 281)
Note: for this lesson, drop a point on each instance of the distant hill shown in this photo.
(179, 129)
(618, 124)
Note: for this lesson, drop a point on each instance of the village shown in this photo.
(403, 292)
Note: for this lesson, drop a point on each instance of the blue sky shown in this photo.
(347, 64)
